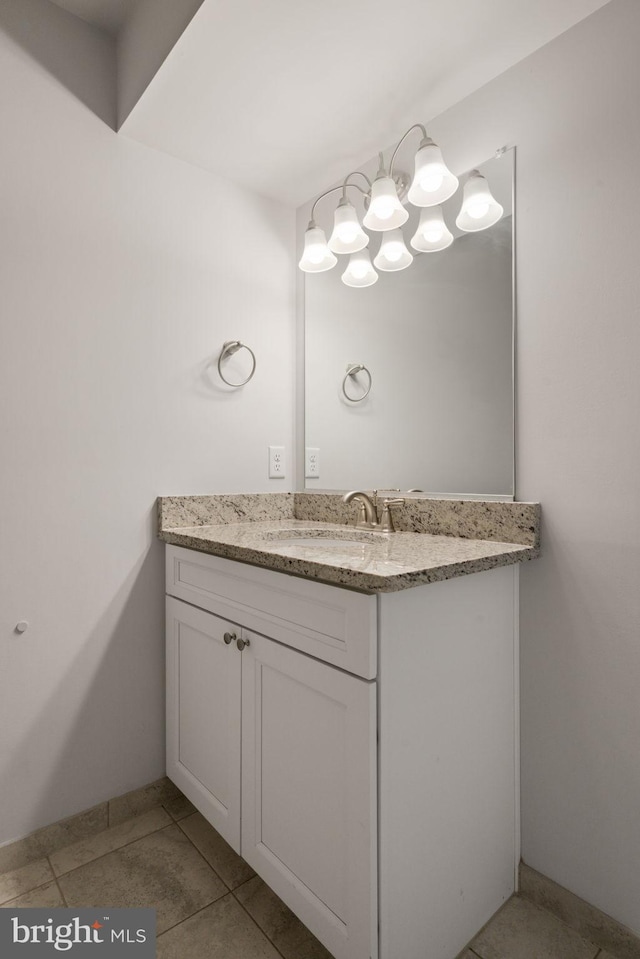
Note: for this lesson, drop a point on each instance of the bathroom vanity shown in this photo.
(351, 730)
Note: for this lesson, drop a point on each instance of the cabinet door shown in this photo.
(203, 714)
(309, 791)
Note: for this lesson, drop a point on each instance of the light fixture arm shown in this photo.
(335, 189)
(345, 183)
(416, 126)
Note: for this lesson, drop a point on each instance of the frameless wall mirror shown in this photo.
(437, 340)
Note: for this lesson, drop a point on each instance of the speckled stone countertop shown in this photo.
(262, 529)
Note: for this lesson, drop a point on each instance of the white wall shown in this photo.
(572, 110)
(122, 271)
(579, 452)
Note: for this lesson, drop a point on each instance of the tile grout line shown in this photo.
(186, 816)
(25, 865)
(231, 892)
(192, 914)
(91, 835)
(88, 839)
(159, 829)
(227, 892)
(26, 892)
(250, 879)
(202, 855)
(565, 923)
(108, 853)
(59, 888)
(39, 885)
(256, 923)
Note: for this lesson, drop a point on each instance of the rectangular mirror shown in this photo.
(437, 340)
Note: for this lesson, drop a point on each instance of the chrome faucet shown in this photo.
(368, 512)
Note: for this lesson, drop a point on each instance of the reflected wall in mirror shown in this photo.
(437, 339)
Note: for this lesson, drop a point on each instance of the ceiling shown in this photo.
(286, 96)
(109, 15)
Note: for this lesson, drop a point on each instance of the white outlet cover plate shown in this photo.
(277, 466)
(312, 462)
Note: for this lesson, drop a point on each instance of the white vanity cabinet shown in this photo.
(278, 749)
(359, 752)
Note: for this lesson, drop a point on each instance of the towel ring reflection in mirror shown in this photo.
(228, 349)
(352, 370)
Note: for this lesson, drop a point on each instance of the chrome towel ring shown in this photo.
(352, 370)
(228, 349)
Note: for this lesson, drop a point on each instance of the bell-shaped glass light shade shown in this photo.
(479, 209)
(359, 272)
(393, 254)
(316, 257)
(432, 233)
(348, 236)
(385, 212)
(433, 182)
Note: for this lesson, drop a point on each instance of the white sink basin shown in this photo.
(323, 542)
(328, 538)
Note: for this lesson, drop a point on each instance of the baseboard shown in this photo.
(586, 919)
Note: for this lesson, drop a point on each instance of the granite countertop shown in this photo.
(367, 561)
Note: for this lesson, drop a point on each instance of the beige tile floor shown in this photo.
(211, 905)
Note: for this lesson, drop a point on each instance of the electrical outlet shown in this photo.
(276, 462)
(311, 462)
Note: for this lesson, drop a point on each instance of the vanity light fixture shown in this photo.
(479, 208)
(432, 234)
(359, 271)
(348, 236)
(393, 254)
(432, 182)
(317, 257)
(386, 213)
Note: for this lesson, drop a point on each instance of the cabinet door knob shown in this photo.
(229, 637)
(241, 643)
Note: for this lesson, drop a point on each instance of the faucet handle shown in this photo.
(361, 521)
(386, 520)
